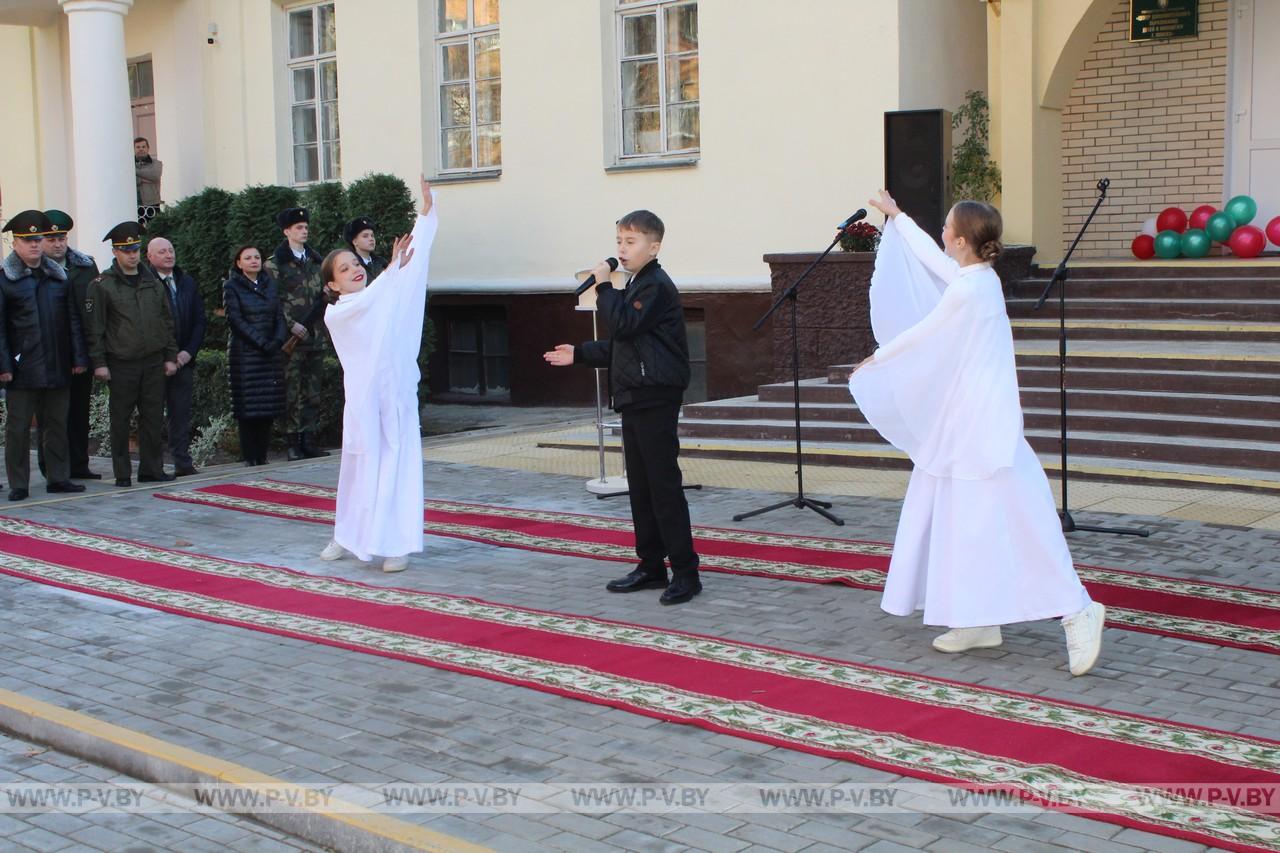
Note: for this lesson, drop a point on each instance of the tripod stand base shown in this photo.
(1069, 525)
(607, 486)
(799, 502)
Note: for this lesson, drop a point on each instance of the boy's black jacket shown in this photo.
(647, 352)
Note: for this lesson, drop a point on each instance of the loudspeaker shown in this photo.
(917, 165)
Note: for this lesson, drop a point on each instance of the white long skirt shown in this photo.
(379, 508)
(973, 553)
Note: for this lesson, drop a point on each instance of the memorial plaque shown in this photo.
(1157, 20)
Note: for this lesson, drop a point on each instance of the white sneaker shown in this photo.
(963, 639)
(1084, 637)
(332, 551)
(395, 564)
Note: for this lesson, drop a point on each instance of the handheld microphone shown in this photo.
(591, 279)
(857, 216)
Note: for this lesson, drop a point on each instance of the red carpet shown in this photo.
(1205, 612)
(1116, 767)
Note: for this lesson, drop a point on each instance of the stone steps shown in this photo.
(1170, 367)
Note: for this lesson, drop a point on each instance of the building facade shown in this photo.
(750, 126)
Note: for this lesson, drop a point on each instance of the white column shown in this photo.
(102, 124)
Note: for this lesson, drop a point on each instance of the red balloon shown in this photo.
(1143, 247)
(1172, 219)
(1247, 241)
(1201, 215)
(1273, 231)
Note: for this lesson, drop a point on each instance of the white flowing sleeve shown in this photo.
(903, 290)
(925, 250)
(944, 390)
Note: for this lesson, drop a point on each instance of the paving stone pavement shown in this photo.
(310, 713)
(105, 829)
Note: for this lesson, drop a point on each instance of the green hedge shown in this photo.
(207, 227)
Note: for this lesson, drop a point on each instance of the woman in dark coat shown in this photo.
(255, 364)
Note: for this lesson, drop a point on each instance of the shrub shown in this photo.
(203, 251)
(327, 205)
(251, 220)
(387, 200)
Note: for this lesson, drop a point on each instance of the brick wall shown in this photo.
(1150, 116)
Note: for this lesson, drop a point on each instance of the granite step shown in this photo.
(1216, 310)
(1044, 418)
(1173, 332)
(1219, 452)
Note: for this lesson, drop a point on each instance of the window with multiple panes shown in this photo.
(479, 361)
(141, 81)
(469, 71)
(313, 92)
(658, 77)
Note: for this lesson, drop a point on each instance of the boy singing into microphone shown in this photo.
(648, 359)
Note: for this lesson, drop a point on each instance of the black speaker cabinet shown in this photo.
(917, 165)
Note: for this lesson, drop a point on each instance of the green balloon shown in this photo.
(1241, 209)
(1168, 244)
(1195, 243)
(1219, 227)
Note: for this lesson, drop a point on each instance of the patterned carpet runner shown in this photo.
(1179, 780)
(1205, 612)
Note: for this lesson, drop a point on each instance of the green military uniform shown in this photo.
(81, 269)
(132, 334)
(298, 280)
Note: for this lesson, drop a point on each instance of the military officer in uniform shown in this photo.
(358, 234)
(81, 269)
(41, 347)
(296, 268)
(133, 350)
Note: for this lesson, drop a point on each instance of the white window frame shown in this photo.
(468, 37)
(313, 61)
(629, 8)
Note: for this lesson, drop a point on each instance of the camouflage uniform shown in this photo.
(300, 287)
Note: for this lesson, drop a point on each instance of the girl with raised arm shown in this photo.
(377, 333)
(979, 542)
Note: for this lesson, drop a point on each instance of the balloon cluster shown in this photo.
(1173, 234)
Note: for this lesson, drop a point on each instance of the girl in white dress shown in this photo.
(377, 332)
(979, 542)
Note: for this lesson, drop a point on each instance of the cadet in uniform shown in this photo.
(133, 350)
(358, 234)
(296, 268)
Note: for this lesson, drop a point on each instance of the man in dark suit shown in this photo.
(187, 308)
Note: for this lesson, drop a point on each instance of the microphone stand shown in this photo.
(800, 501)
(1060, 278)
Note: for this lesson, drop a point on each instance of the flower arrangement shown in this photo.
(860, 237)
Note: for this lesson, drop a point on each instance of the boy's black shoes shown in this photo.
(17, 494)
(185, 471)
(64, 486)
(162, 477)
(682, 589)
(86, 474)
(639, 578)
(123, 482)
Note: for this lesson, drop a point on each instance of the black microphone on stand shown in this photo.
(591, 279)
(858, 215)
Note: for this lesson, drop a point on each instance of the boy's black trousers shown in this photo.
(659, 510)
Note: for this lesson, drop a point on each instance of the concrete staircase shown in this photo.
(1173, 373)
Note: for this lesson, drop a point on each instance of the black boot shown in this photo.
(683, 587)
(310, 450)
(296, 450)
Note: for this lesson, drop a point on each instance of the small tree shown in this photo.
(251, 219)
(973, 175)
(327, 205)
(387, 200)
(203, 248)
